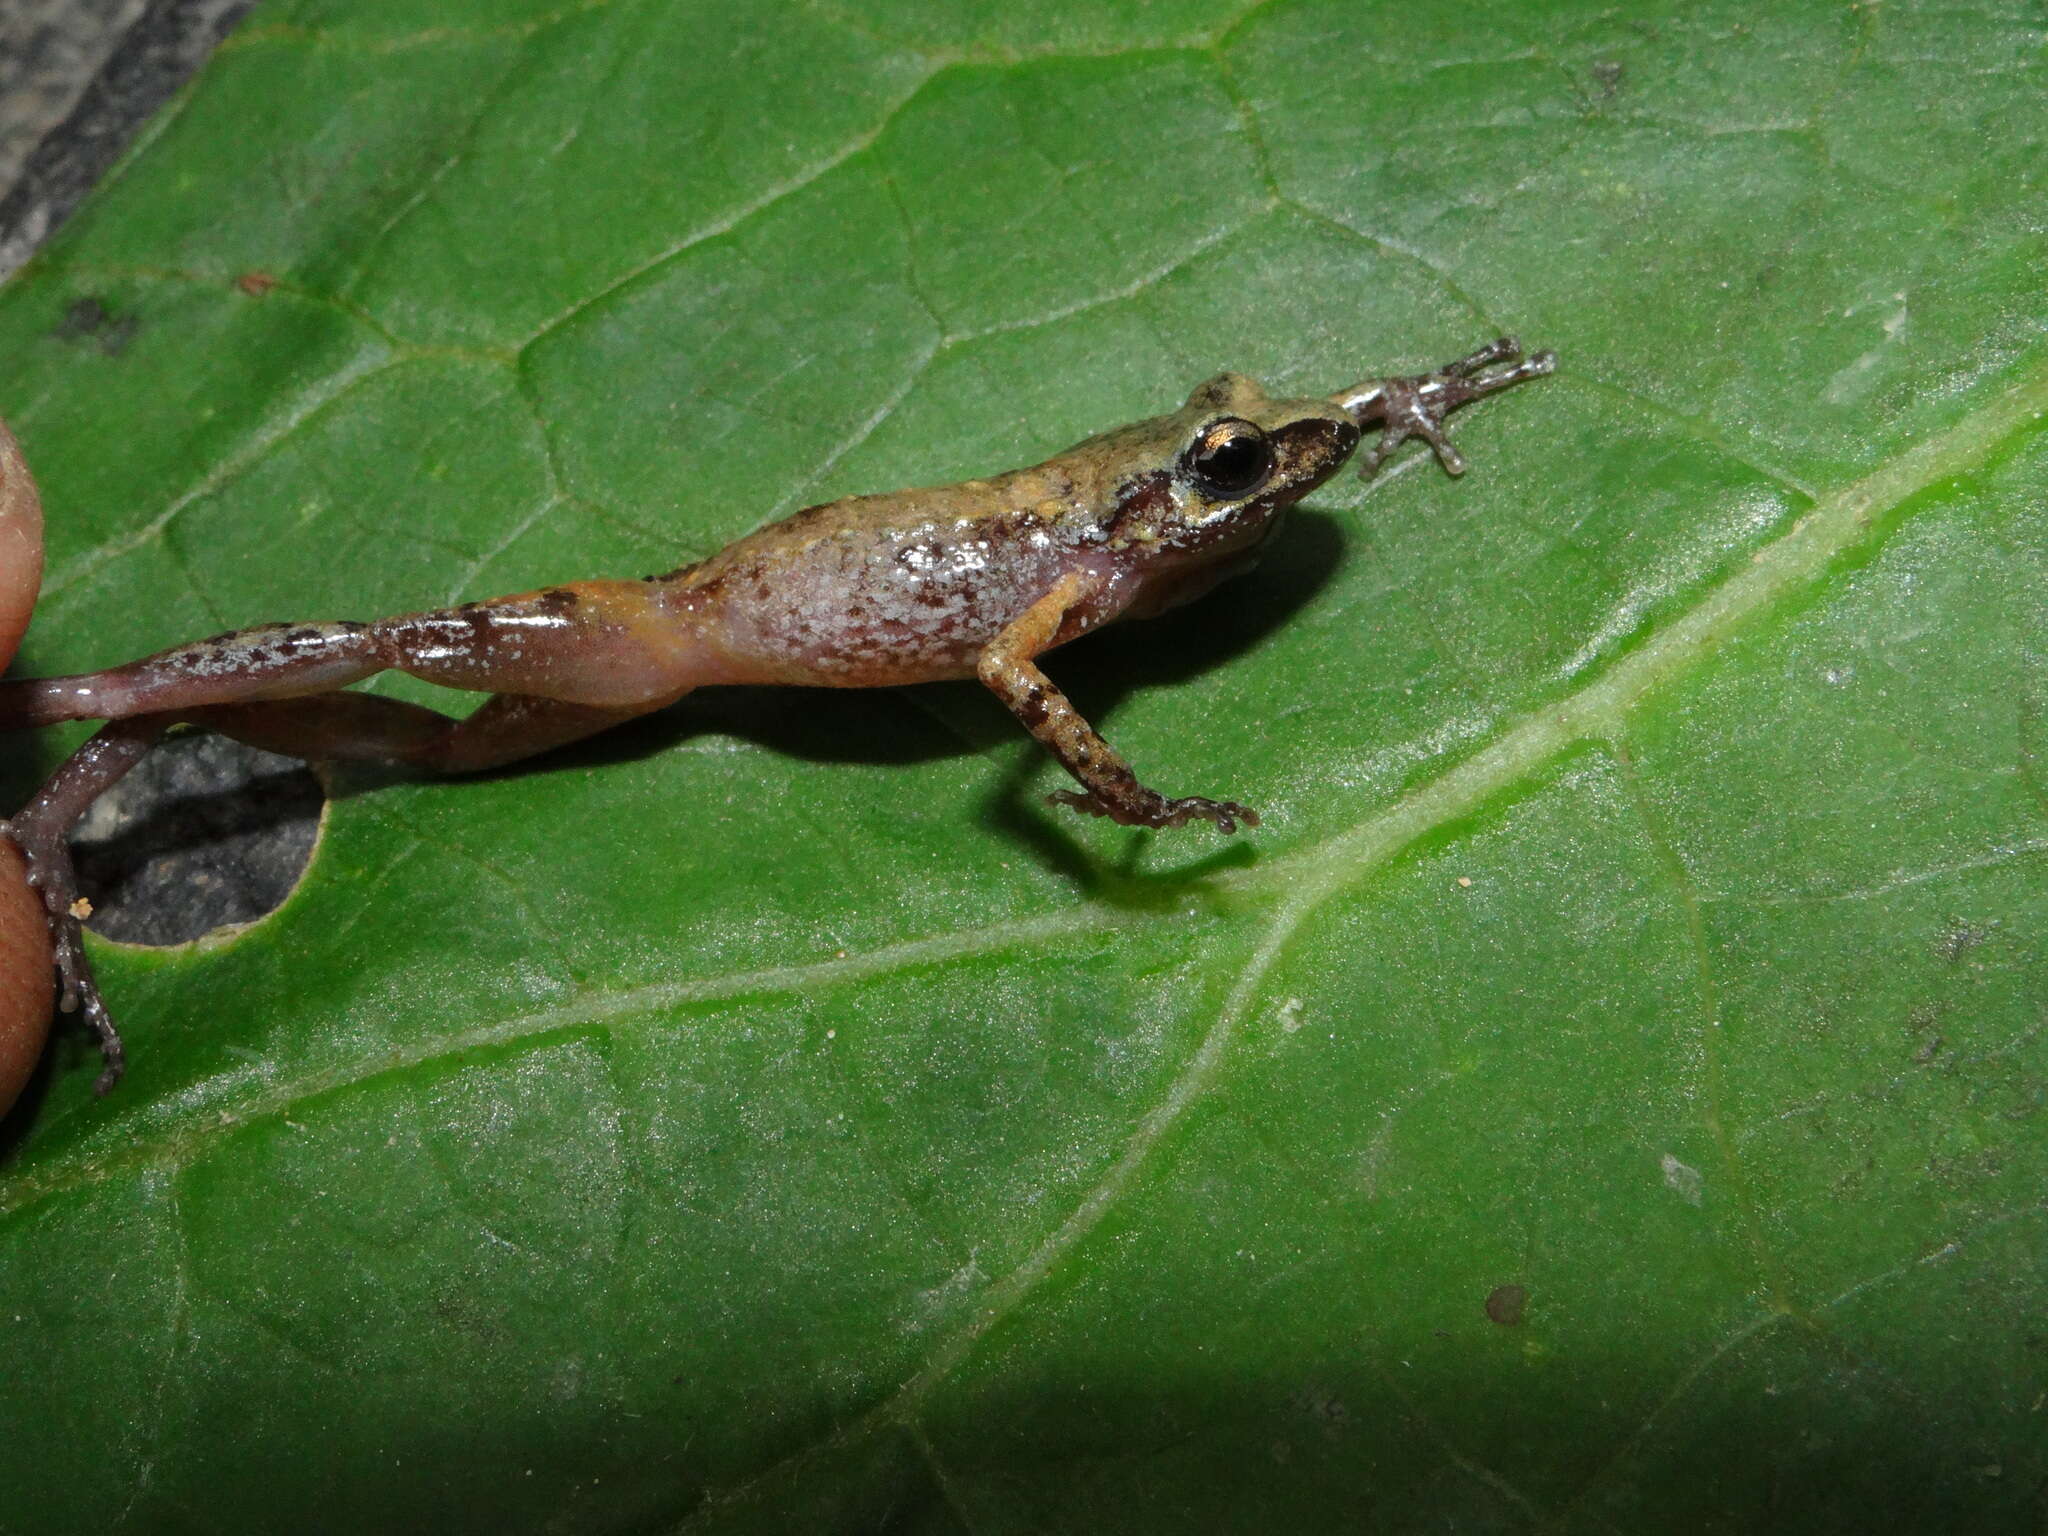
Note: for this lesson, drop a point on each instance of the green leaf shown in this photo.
(772, 1117)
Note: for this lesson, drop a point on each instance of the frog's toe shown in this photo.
(1157, 810)
(80, 994)
(1226, 814)
(1417, 404)
(51, 876)
(1403, 422)
(1502, 349)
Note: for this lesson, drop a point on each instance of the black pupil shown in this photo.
(1232, 460)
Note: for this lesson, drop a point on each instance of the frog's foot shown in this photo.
(1416, 405)
(52, 878)
(1149, 808)
(40, 831)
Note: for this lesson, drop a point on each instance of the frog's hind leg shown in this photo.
(602, 643)
(1416, 405)
(363, 727)
(41, 830)
(505, 729)
(265, 661)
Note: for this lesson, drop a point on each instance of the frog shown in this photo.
(976, 579)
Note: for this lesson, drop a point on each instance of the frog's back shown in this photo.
(903, 587)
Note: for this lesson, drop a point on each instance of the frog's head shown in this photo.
(1224, 466)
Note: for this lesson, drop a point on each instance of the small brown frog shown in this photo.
(968, 580)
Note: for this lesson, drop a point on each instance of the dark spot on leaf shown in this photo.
(1608, 73)
(1319, 1403)
(89, 322)
(1504, 1304)
(1958, 938)
(255, 284)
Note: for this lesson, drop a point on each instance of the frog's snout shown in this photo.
(1312, 448)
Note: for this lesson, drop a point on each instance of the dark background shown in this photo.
(78, 79)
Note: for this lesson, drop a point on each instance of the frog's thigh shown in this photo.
(606, 643)
(600, 643)
(505, 729)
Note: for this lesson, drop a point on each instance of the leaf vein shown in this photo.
(170, 1133)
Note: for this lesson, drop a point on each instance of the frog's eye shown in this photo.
(1229, 459)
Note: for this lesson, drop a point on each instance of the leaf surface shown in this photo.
(1607, 1093)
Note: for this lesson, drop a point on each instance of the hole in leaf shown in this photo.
(203, 834)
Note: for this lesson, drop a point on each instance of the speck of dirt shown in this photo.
(1607, 73)
(255, 284)
(1926, 1031)
(1504, 1304)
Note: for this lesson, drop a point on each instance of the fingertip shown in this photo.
(21, 544)
(27, 976)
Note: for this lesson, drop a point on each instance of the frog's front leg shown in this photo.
(1007, 668)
